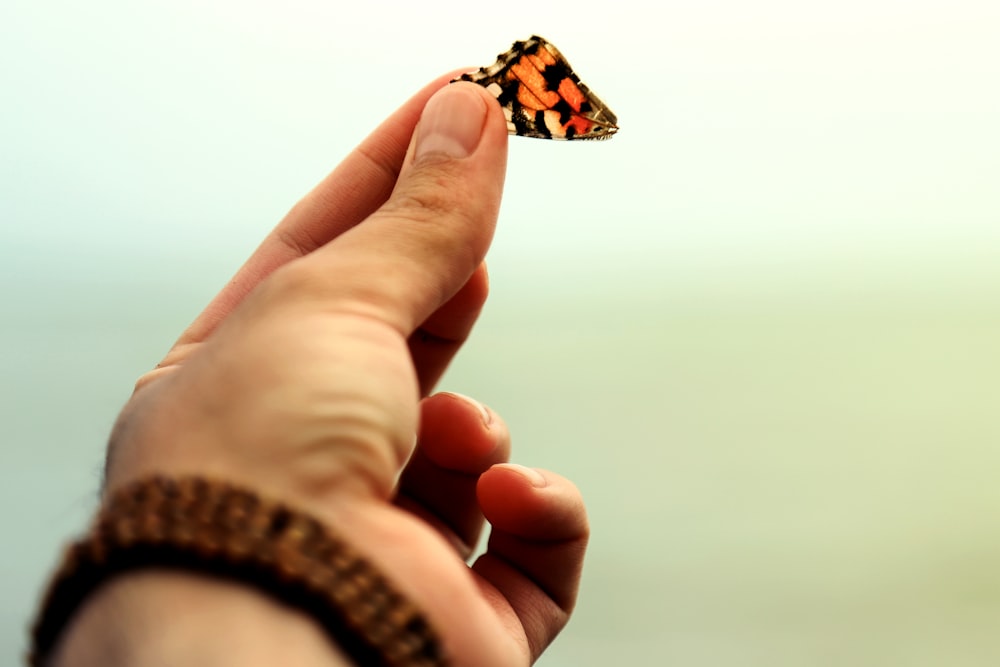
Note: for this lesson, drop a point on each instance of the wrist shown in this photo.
(220, 534)
(157, 617)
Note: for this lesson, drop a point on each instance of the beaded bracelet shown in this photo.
(216, 528)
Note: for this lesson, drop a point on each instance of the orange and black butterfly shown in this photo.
(541, 96)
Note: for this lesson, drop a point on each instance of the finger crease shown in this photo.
(389, 168)
(300, 243)
(425, 337)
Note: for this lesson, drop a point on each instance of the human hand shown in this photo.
(303, 379)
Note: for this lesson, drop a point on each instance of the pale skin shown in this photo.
(308, 377)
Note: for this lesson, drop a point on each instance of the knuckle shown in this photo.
(300, 244)
(432, 193)
(423, 205)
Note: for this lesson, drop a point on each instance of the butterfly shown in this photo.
(541, 96)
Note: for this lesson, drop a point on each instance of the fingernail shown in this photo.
(530, 474)
(452, 123)
(483, 412)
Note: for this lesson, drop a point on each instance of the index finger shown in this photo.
(350, 193)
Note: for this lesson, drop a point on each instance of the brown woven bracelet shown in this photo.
(213, 527)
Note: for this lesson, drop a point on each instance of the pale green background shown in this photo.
(759, 328)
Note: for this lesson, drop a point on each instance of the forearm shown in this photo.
(155, 618)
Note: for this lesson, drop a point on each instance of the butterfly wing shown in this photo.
(541, 95)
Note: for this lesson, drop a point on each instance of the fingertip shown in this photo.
(532, 476)
(468, 402)
(494, 124)
(531, 503)
(460, 434)
(451, 124)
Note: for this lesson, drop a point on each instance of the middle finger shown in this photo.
(459, 439)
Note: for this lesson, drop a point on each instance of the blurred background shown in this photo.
(760, 328)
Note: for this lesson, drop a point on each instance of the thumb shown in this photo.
(415, 252)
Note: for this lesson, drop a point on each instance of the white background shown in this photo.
(759, 327)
